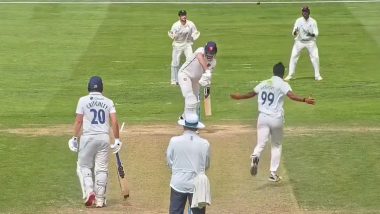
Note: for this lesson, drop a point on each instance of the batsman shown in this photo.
(94, 115)
(196, 72)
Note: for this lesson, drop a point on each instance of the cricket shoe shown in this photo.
(289, 77)
(101, 203)
(90, 199)
(319, 78)
(274, 178)
(254, 164)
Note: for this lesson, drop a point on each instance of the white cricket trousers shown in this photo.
(272, 127)
(93, 156)
(313, 53)
(176, 59)
(190, 91)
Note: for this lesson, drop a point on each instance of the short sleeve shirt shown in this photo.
(96, 110)
(271, 95)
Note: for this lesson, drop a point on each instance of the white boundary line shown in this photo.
(197, 2)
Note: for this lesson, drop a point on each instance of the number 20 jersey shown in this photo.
(96, 110)
(270, 96)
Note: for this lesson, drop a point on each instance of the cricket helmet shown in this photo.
(182, 13)
(95, 84)
(210, 49)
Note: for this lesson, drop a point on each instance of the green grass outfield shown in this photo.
(49, 51)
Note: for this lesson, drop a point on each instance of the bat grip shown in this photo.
(120, 167)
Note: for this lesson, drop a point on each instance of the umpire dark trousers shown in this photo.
(178, 203)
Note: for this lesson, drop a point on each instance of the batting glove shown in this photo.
(206, 78)
(116, 146)
(73, 144)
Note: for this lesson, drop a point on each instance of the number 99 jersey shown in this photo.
(96, 110)
(271, 95)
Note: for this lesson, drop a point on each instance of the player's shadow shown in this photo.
(301, 79)
(270, 184)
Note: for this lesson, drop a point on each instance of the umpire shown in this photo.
(187, 156)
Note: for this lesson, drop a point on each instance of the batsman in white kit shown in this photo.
(270, 122)
(306, 32)
(196, 72)
(94, 114)
(183, 33)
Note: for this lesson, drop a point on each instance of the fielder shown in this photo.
(270, 122)
(95, 113)
(183, 33)
(195, 72)
(306, 32)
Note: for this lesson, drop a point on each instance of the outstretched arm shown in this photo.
(238, 96)
(295, 97)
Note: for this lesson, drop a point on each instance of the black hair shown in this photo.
(279, 70)
(182, 13)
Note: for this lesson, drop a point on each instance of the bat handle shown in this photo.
(118, 158)
(120, 167)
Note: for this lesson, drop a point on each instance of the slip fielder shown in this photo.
(306, 32)
(183, 33)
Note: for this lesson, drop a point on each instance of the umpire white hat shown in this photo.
(191, 120)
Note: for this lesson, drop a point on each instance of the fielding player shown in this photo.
(196, 72)
(95, 113)
(270, 122)
(183, 33)
(306, 32)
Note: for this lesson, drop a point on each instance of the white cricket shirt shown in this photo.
(183, 33)
(187, 155)
(193, 68)
(305, 26)
(270, 96)
(96, 110)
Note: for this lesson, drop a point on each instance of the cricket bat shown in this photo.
(121, 174)
(207, 101)
(121, 177)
